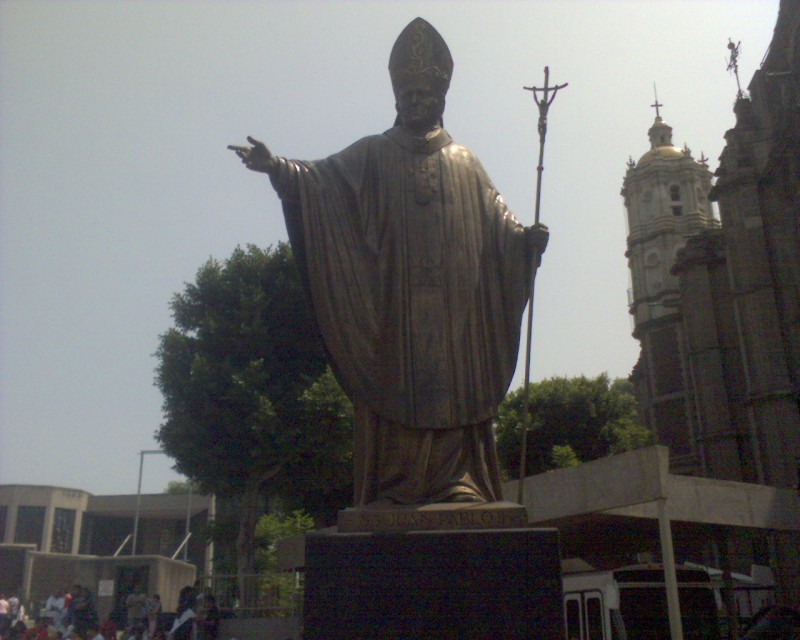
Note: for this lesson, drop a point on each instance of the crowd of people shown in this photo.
(66, 614)
(12, 614)
(72, 615)
(196, 618)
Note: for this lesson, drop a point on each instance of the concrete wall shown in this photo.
(12, 567)
(46, 572)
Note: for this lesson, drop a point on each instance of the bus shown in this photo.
(630, 603)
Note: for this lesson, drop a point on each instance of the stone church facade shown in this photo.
(716, 303)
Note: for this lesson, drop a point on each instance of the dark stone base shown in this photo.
(440, 585)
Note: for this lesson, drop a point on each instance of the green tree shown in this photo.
(319, 468)
(232, 371)
(563, 456)
(572, 420)
(273, 527)
(181, 487)
(279, 590)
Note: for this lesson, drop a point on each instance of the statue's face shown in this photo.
(419, 108)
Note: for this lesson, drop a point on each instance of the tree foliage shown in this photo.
(319, 469)
(181, 487)
(572, 420)
(273, 527)
(279, 591)
(563, 456)
(232, 370)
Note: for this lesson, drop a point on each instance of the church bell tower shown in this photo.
(666, 200)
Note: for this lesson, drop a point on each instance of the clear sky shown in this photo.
(115, 183)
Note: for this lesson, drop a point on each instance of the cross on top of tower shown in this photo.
(656, 104)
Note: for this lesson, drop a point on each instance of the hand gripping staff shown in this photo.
(544, 101)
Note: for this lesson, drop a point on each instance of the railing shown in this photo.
(182, 545)
(263, 595)
(122, 546)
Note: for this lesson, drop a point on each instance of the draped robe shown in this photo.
(418, 276)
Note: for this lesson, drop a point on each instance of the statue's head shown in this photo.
(420, 66)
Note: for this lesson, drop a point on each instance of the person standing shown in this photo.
(4, 608)
(135, 604)
(16, 610)
(208, 617)
(54, 608)
(152, 610)
(183, 627)
(83, 609)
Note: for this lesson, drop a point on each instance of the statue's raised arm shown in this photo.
(256, 157)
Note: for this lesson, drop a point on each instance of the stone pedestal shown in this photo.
(458, 584)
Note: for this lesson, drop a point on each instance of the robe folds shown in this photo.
(418, 276)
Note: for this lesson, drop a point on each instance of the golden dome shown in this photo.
(660, 135)
(666, 152)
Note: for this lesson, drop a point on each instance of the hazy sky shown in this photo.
(115, 184)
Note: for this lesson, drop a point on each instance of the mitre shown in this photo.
(420, 54)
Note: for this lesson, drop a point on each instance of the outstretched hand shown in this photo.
(256, 157)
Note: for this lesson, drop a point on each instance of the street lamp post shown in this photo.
(139, 496)
(188, 523)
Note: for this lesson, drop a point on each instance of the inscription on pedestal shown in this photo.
(494, 515)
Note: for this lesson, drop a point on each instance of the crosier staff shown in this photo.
(543, 102)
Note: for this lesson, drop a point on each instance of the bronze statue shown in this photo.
(418, 276)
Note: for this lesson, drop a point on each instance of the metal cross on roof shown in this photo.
(656, 104)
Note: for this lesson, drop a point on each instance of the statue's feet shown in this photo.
(382, 503)
(465, 498)
(462, 497)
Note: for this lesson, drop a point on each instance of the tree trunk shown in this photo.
(249, 512)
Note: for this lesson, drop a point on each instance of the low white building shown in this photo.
(54, 537)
